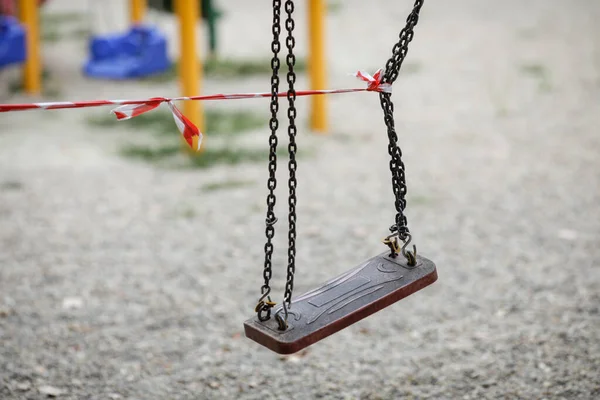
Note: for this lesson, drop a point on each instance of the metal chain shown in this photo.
(263, 308)
(392, 69)
(396, 165)
(292, 165)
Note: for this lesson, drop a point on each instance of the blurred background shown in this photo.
(128, 264)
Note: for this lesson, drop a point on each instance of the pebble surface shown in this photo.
(123, 280)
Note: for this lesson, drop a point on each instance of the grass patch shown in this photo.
(11, 185)
(49, 89)
(50, 35)
(150, 154)
(540, 73)
(228, 122)
(334, 6)
(57, 19)
(157, 121)
(229, 68)
(52, 25)
(160, 122)
(210, 157)
(167, 76)
(230, 184)
(82, 32)
(170, 150)
(536, 70)
(16, 86)
(228, 156)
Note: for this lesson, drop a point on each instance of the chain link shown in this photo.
(392, 69)
(264, 308)
(292, 165)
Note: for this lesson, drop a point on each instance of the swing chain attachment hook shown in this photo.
(282, 324)
(392, 241)
(411, 257)
(264, 305)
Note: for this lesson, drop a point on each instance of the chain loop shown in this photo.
(263, 308)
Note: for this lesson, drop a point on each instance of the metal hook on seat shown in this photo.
(392, 242)
(282, 322)
(263, 307)
(411, 257)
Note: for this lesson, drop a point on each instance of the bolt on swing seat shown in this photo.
(344, 300)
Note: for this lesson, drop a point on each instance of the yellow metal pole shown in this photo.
(316, 64)
(32, 70)
(190, 67)
(137, 11)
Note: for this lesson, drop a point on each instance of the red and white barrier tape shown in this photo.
(132, 108)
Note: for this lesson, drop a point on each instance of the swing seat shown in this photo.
(13, 47)
(352, 296)
(142, 51)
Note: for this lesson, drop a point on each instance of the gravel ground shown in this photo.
(123, 280)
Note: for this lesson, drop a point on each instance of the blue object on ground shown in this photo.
(13, 43)
(142, 51)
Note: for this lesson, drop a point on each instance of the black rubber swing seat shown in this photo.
(344, 300)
